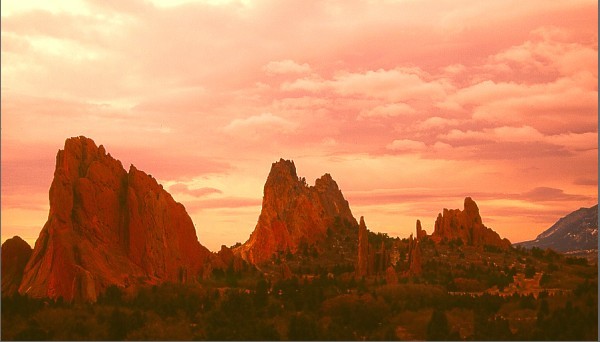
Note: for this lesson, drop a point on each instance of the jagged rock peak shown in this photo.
(293, 213)
(325, 183)
(15, 254)
(420, 233)
(471, 209)
(467, 226)
(283, 167)
(108, 227)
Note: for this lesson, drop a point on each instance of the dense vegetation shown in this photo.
(446, 303)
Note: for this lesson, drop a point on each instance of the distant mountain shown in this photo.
(576, 232)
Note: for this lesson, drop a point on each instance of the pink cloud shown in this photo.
(542, 194)
(286, 66)
(388, 110)
(437, 122)
(406, 145)
(199, 192)
(225, 202)
(504, 91)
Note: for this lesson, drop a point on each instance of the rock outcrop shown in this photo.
(230, 260)
(294, 213)
(414, 257)
(107, 226)
(390, 275)
(15, 254)
(362, 263)
(420, 232)
(467, 226)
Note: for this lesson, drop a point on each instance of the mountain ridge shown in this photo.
(574, 232)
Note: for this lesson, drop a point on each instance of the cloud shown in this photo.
(199, 192)
(436, 122)
(399, 84)
(225, 202)
(586, 181)
(388, 111)
(549, 52)
(543, 194)
(511, 101)
(257, 123)
(406, 145)
(525, 134)
(286, 66)
(574, 141)
(499, 134)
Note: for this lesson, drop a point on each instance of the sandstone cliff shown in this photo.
(15, 254)
(467, 226)
(107, 226)
(294, 213)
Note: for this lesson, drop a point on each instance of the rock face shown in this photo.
(362, 264)
(15, 254)
(420, 232)
(107, 226)
(293, 213)
(467, 226)
(230, 260)
(574, 233)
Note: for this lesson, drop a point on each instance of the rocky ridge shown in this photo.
(576, 232)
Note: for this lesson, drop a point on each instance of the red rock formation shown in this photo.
(414, 257)
(467, 226)
(15, 254)
(380, 260)
(420, 232)
(107, 227)
(293, 213)
(362, 266)
(229, 259)
(390, 275)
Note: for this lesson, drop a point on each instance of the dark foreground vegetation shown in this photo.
(444, 303)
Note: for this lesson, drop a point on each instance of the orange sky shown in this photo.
(409, 105)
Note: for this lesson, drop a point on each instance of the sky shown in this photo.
(410, 105)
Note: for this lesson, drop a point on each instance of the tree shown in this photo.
(262, 293)
(437, 329)
(302, 327)
(117, 325)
